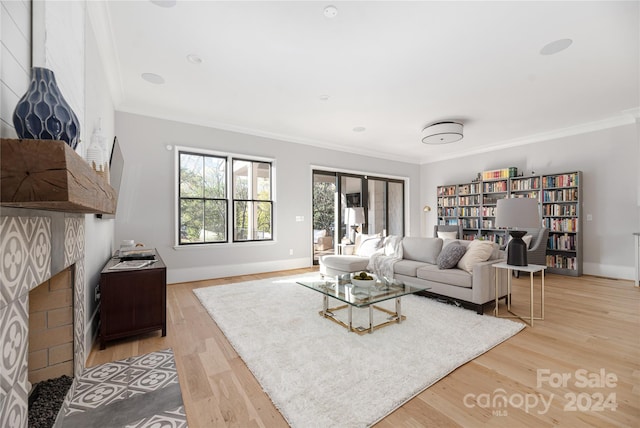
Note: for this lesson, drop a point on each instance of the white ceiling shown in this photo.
(391, 67)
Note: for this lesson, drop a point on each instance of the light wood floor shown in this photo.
(591, 324)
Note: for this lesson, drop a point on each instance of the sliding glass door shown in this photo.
(346, 204)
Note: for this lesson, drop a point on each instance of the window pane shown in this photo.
(191, 176)
(262, 174)
(263, 221)
(214, 177)
(241, 179)
(241, 222)
(396, 209)
(215, 215)
(191, 221)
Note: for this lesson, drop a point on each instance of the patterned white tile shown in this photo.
(122, 380)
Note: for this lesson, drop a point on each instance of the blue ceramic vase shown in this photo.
(43, 113)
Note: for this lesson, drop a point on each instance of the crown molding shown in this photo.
(627, 117)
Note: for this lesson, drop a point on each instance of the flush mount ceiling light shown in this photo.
(153, 78)
(194, 59)
(330, 11)
(555, 47)
(359, 129)
(442, 133)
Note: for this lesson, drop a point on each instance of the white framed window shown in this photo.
(222, 198)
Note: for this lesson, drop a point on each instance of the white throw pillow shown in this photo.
(447, 235)
(478, 251)
(361, 237)
(368, 247)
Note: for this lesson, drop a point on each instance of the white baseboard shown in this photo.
(609, 271)
(209, 272)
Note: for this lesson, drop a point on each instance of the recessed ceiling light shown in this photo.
(324, 97)
(330, 11)
(164, 3)
(194, 59)
(359, 129)
(555, 47)
(153, 78)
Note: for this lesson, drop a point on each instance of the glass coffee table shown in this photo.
(341, 288)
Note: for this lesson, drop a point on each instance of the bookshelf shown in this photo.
(561, 214)
(473, 205)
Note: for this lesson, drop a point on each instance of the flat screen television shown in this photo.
(116, 168)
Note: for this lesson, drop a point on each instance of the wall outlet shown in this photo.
(291, 251)
(299, 218)
(589, 217)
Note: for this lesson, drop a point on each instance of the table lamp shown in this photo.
(515, 213)
(353, 218)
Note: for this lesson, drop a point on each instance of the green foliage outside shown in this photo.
(324, 195)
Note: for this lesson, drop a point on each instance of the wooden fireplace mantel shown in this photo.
(50, 175)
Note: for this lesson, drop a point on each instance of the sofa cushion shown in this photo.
(457, 277)
(345, 263)
(408, 267)
(450, 256)
(422, 249)
(477, 251)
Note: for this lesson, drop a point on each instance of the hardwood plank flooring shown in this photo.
(591, 325)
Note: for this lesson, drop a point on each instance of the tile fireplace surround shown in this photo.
(34, 246)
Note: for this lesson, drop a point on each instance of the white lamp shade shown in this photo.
(354, 216)
(517, 213)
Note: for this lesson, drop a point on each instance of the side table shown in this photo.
(531, 269)
(346, 249)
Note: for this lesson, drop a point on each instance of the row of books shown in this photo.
(530, 183)
(493, 237)
(447, 190)
(468, 189)
(469, 211)
(563, 180)
(559, 210)
(562, 262)
(447, 202)
(562, 242)
(447, 212)
(565, 195)
(494, 186)
(496, 174)
(561, 224)
(469, 200)
(470, 223)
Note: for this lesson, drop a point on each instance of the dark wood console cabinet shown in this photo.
(132, 301)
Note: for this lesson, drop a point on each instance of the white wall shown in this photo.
(99, 232)
(146, 206)
(609, 160)
(15, 59)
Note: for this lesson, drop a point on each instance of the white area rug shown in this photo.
(320, 375)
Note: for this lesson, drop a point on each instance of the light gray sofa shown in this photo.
(419, 267)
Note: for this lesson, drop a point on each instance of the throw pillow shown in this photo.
(447, 235)
(477, 251)
(450, 255)
(368, 247)
(361, 237)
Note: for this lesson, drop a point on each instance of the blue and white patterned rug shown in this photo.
(136, 392)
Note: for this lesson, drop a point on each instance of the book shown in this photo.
(137, 253)
(132, 264)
